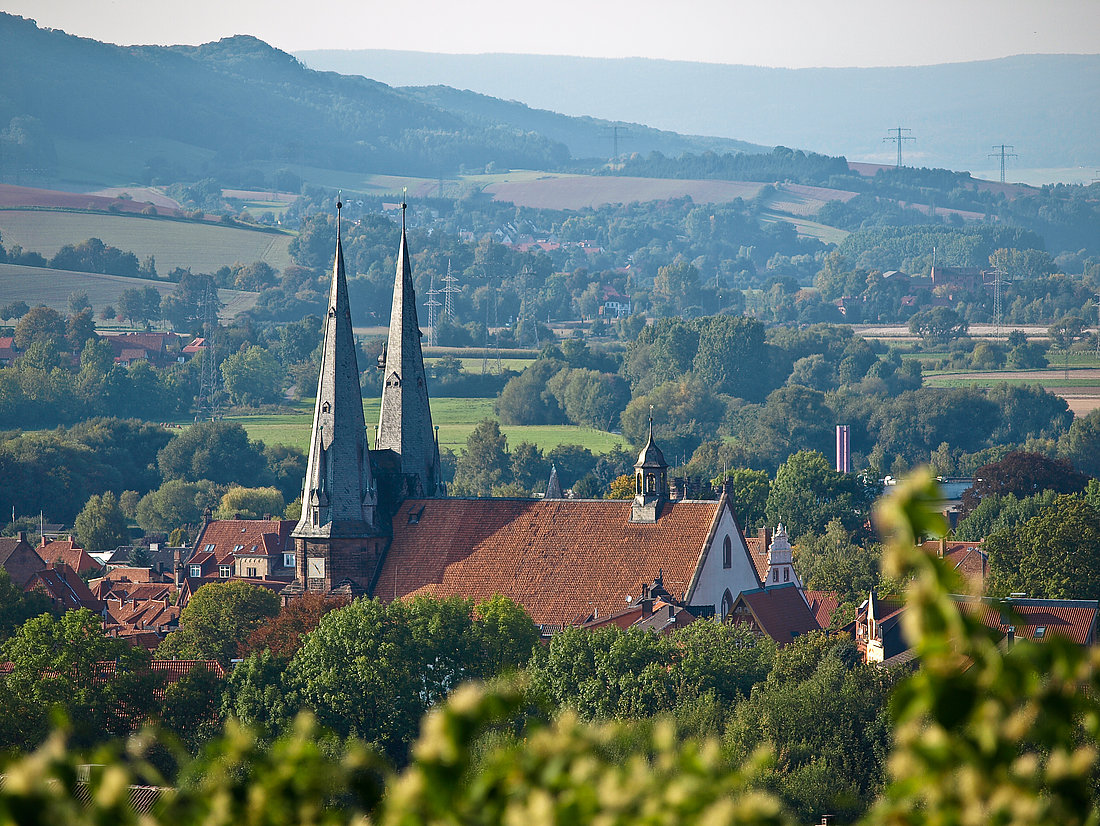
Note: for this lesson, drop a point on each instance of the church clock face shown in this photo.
(315, 567)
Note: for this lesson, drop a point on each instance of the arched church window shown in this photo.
(727, 553)
(727, 604)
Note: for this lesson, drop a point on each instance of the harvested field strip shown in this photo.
(201, 246)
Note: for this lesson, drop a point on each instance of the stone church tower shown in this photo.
(333, 539)
(350, 492)
(407, 452)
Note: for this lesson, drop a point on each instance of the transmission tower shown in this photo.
(525, 306)
(496, 323)
(449, 291)
(1003, 151)
(613, 132)
(1000, 278)
(432, 304)
(207, 403)
(897, 137)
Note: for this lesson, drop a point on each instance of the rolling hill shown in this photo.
(1044, 105)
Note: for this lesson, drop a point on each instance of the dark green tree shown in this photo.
(101, 525)
(217, 619)
(807, 494)
(1054, 555)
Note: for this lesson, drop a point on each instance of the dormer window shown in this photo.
(225, 571)
(209, 548)
(196, 571)
(238, 548)
(1040, 632)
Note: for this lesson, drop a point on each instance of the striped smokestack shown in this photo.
(843, 449)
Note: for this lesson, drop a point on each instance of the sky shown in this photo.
(781, 33)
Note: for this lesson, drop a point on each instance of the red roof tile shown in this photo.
(562, 560)
(822, 605)
(1074, 619)
(225, 537)
(67, 551)
(780, 612)
(64, 587)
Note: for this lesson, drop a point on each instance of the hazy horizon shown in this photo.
(775, 34)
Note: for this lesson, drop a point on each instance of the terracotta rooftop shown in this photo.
(779, 611)
(64, 587)
(1074, 619)
(67, 551)
(225, 537)
(822, 605)
(563, 560)
(968, 558)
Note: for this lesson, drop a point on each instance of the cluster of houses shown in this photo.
(159, 349)
(376, 521)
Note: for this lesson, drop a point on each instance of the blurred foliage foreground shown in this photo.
(983, 735)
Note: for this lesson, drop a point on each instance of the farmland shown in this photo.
(579, 191)
(456, 419)
(38, 285)
(1081, 389)
(203, 247)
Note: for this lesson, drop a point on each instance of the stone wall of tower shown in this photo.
(353, 560)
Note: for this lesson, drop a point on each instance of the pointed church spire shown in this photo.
(405, 421)
(553, 487)
(339, 496)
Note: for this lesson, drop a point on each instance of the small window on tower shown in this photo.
(727, 553)
(786, 574)
(775, 575)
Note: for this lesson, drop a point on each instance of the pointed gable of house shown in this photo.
(339, 496)
(405, 419)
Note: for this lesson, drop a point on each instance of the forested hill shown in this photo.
(240, 99)
(586, 137)
(198, 111)
(1044, 105)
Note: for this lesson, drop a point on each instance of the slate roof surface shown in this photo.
(780, 612)
(562, 560)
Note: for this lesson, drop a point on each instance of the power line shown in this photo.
(431, 304)
(1002, 152)
(613, 133)
(898, 138)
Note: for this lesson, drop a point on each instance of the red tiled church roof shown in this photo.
(562, 560)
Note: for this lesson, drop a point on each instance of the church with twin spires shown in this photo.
(376, 521)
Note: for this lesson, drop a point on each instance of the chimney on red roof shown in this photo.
(765, 535)
(22, 536)
(943, 546)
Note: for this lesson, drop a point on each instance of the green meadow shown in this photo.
(456, 419)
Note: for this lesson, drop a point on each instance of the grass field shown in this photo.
(201, 246)
(38, 285)
(456, 419)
